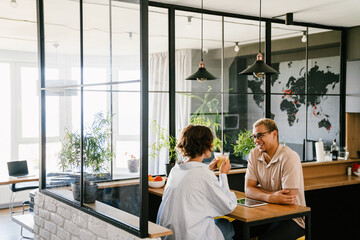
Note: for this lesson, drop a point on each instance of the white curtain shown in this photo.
(159, 102)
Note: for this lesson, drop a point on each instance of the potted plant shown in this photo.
(164, 140)
(132, 162)
(244, 144)
(97, 154)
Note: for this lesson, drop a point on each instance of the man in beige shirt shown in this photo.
(274, 175)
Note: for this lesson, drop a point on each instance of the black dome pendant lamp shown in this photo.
(259, 68)
(201, 74)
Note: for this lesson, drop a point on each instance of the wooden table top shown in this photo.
(10, 180)
(330, 181)
(246, 214)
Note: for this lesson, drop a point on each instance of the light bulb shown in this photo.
(236, 48)
(13, 3)
(259, 74)
(304, 38)
(188, 27)
(201, 79)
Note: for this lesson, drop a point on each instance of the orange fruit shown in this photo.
(158, 178)
(150, 178)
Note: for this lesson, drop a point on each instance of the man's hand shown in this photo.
(212, 165)
(282, 197)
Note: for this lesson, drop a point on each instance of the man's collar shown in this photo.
(274, 159)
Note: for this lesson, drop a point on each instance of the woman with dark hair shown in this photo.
(193, 195)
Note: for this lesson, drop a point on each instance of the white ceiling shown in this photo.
(18, 25)
(343, 13)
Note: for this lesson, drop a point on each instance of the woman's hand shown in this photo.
(212, 165)
(225, 166)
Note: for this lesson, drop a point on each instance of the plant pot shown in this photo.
(133, 165)
(90, 192)
(168, 167)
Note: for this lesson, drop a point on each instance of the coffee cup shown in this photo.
(221, 157)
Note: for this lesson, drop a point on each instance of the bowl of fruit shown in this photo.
(156, 182)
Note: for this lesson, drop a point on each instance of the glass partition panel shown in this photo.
(158, 132)
(188, 50)
(63, 150)
(324, 61)
(62, 41)
(291, 122)
(241, 42)
(244, 110)
(288, 57)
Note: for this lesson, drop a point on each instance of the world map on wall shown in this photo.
(291, 84)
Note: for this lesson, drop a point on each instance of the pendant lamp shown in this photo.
(201, 74)
(259, 68)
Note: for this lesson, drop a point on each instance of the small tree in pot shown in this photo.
(97, 154)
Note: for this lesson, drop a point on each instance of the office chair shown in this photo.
(19, 168)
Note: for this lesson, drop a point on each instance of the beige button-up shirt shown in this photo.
(284, 171)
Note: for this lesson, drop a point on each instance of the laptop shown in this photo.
(18, 168)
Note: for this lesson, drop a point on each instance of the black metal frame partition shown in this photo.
(268, 21)
(142, 231)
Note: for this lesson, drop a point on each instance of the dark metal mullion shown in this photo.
(41, 59)
(144, 111)
(268, 62)
(172, 85)
(81, 106)
(111, 92)
(222, 81)
(306, 91)
(342, 88)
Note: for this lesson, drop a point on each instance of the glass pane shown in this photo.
(188, 50)
(63, 150)
(158, 48)
(242, 112)
(290, 119)
(288, 57)
(324, 62)
(324, 118)
(158, 131)
(241, 42)
(62, 34)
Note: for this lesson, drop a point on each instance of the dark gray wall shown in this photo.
(353, 43)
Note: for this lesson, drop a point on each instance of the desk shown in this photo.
(11, 180)
(264, 214)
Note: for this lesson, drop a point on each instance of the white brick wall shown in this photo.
(55, 220)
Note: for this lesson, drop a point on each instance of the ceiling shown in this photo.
(344, 13)
(19, 26)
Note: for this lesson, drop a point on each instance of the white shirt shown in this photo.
(193, 196)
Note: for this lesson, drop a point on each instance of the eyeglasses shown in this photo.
(259, 135)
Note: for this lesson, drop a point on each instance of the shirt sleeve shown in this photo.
(220, 197)
(292, 172)
(250, 170)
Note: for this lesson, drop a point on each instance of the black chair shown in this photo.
(16, 169)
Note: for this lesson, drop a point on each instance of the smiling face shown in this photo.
(267, 142)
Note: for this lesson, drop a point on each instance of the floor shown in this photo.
(8, 229)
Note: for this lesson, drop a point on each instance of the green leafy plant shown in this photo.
(164, 140)
(214, 126)
(244, 143)
(96, 146)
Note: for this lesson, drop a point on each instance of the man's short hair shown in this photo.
(268, 123)
(195, 140)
